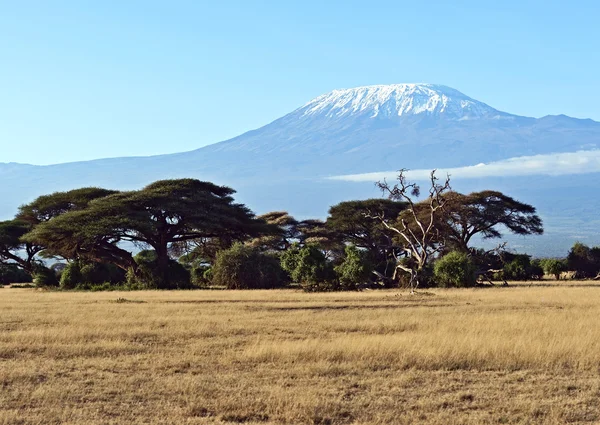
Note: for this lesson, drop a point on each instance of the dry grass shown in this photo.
(523, 354)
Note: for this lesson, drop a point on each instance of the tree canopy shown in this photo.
(163, 213)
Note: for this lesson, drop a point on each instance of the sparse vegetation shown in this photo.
(524, 355)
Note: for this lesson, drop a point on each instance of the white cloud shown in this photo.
(579, 162)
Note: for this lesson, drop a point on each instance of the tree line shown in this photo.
(186, 233)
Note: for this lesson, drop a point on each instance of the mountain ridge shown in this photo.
(281, 163)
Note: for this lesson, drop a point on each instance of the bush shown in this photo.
(454, 269)
(71, 276)
(553, 267)
(147, 275)
(355, 270)
(10, 273)
(44, 277)
(519, 268)
(200, 275)
(307, 265)
(584, 260)
(79, 274)
(244, 267)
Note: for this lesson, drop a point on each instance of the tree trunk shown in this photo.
(162, 263)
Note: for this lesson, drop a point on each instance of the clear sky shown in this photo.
(90, 79)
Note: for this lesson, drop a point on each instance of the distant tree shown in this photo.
(316, 233)
(482, 214)
(160, 216)
(350, 225)
(307, 265)
(245, 267)
(285, 232)
(518, 267)
(584, 260)
(415, 228)
(553, 267)
(11, 273)
(47, 207)
(455, 269)
(14, 249)
(355, 269)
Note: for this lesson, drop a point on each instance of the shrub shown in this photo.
(584, 260)
(10, 273)
(536, 271)
(355, 269)
(147, 274)
(307, 265)
(208, 275)
(519, 268)
(244, 267)
(553, 267)
(44, 277)
(200, 276)
(80, 274)
(71, 276)
(454, 269)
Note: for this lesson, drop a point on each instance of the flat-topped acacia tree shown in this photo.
(16, 250)
(163, 213)
(484, 214)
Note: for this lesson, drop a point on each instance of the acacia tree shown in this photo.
(14, 249)
(284, 232)
(483, 213)
(349, 225)
(47, 207)
(160, 215)
(417, 232)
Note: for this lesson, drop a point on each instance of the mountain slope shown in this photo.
(348, 131)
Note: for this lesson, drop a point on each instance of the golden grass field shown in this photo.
(519, 354)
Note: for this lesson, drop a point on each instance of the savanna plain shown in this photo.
(527, 353)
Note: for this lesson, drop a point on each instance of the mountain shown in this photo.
(285, 164)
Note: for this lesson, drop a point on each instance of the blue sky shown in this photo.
(82, 80)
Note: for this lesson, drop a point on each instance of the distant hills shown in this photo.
(286, 164)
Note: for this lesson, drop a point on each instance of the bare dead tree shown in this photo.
(417, 231)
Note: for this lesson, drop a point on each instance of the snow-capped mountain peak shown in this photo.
(398, 100)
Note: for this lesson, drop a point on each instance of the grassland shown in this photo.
(522, 354)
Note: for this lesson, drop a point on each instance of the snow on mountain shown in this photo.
(286, 164)
(398, 100)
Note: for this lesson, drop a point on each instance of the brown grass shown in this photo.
(522, 354)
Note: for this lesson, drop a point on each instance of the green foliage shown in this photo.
(148, 274)
(244, 267)
(307, 265)
(199, 275)
(355, 269)
(10, 273)
(208, 275)
(483, 213)
(161, 215)
(45, 277)
(553, 266)
(454, 269)
(519, 268)
(78, 274)
(71, 276)
(584, 260)
(13, 249)
(348, 223)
